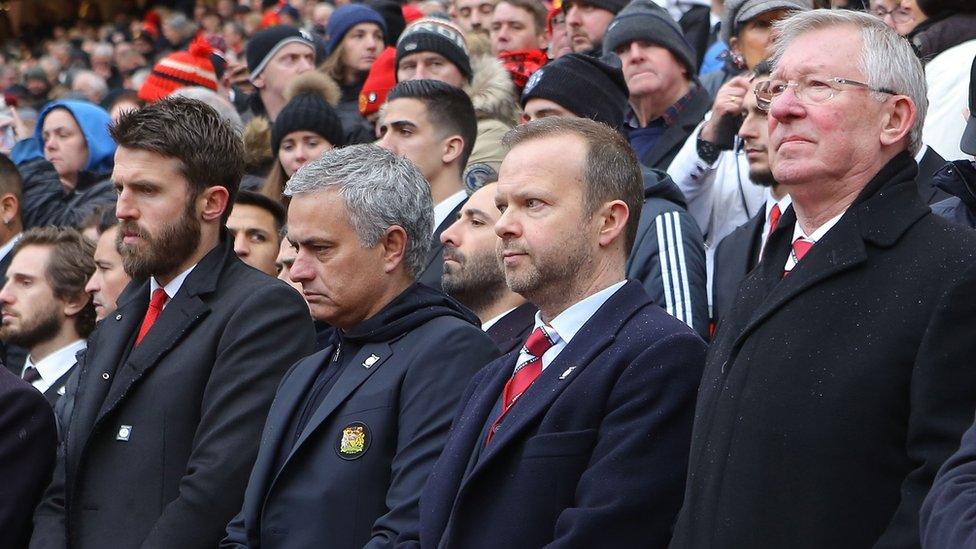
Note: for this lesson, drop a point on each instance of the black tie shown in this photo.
(31, 374)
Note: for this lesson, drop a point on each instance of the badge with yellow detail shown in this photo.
(354, 441)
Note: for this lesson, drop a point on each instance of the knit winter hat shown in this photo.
(381, 79)
(179, 70)
(645, 20)
(309, 112)
(438, 36)
(583, 85)
(266, 43)
(346, 17)
(613, 6)
(738, 12)
(392, 14)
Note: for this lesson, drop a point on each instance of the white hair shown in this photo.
(223, 107)
(379, 190)
(887, 60)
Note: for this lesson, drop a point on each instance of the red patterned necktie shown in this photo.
(774, 215)
(525, 374)
(800, 248)
(159, 298)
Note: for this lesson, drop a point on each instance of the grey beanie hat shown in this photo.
(738, 12)
(645, 20)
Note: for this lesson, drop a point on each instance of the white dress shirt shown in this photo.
(493, 321)
(568, 322)
(54, 365)
(444, 208)
(173, 286)
(783, 203)
(814, 237)
(5, 249)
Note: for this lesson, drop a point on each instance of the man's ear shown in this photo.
(258, 82)
(394, 243)
(613, 218)
(9, 208)
(213, 201)
(74, 304)
(899, 116)
(453, 147)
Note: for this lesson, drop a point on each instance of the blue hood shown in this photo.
(94, 122)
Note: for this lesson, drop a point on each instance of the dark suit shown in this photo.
(511, 330)
(162, 435)
(671, 141)
(948, 520)
(931, 163)
(592, 455)
(735, 256)
(28, 441)
(434, 268)
(55, 391)
(402, 391)
(831, 397)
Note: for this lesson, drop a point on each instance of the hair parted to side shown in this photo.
(887, 60)
(449, 109)
(10, 178)
(209, 150)
(379, 190)
(610, 169)
(258, 200)
(71, 265)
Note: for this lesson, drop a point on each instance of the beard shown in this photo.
(161, 254)
(557, 268)
(43, 326)
(763, 177)
(477, 281)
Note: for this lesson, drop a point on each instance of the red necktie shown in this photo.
(525, 374)
(800, 248)
(774, 215)
(159, 298)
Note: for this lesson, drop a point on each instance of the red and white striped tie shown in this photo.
(525, 374)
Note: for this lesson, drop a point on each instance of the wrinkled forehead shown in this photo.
(830, 51)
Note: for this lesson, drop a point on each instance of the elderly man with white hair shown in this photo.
(842, 378)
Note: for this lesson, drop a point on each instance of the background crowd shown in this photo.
(745, 398)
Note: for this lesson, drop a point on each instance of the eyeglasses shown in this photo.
(809, 89)
(898, 15)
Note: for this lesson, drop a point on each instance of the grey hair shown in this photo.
(887, 60)
(216, 101)
(379, 190)
(90, 82)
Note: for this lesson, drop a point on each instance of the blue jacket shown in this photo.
(593, 454)
(957, 178)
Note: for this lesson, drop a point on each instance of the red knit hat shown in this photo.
(180, 70)
(381, 79)
(411, 13)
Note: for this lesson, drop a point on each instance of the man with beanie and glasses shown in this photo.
(668, 256)
(666, 102)
(274, 57)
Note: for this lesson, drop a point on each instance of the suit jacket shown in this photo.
(401, 394)
(511, 330)
(57, 389)
(831, 397)
(592, 455)
(735, 256)
(28, 441)
(431, 275)
(670, 142)
(162, 436)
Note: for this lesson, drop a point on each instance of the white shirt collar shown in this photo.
(173, 286)
(493, 321)
(5, 249)
(568, 322)
(817, 234)
(54, 365)
(918, 157)
(446, 206)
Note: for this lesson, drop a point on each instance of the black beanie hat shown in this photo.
(308, 112)
(392, 13)
(934, 8)
(583, 85)
(645, 20)
(266, 43)
(438, 36)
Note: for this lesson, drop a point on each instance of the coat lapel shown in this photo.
(676, 135)
(595, 335)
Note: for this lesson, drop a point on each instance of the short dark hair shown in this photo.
(251, 198)
(763, 68)
(610, 168)
(448, 108)
(101, 218)
(535, 8)
(10, 178)
(71, 265)
(209, 150)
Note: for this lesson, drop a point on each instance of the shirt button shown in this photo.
(105, 375)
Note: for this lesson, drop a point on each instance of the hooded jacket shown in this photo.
(493, 96)
(668, 257)
(44, 199)
(958, 179)
(394, 381)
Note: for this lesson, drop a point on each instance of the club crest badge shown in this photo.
(354, 441)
